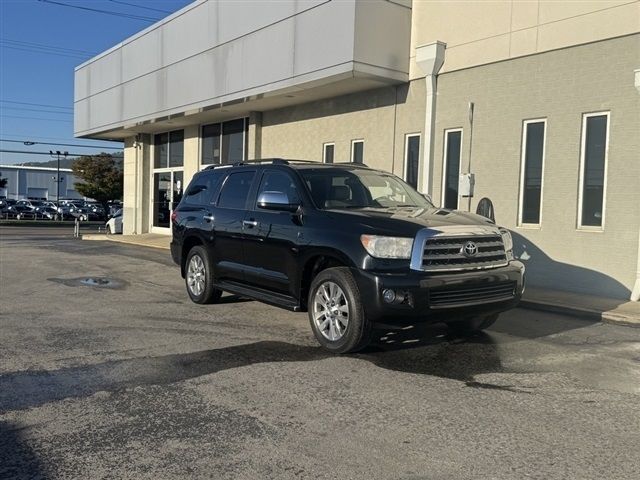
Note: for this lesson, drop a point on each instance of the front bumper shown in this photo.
(418, 290)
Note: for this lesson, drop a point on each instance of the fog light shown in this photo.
(388, 295)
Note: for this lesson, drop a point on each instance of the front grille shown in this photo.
(448, 253)
(469, 295)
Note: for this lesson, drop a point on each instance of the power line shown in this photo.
(28, 142)
(35, 104)
(36, 118)
(23, 109)
(140, 6)
(22, 43)
(106, 12)
(32, 50)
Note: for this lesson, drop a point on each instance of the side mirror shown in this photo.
(277, 201)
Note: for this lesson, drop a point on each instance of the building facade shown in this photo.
(38, 183)
(537, 103)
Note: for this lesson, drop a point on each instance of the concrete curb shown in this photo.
(114, 238)
(575, 311)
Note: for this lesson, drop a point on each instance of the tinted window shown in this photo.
(211, 144)
(532, 179)
(274, 181)
(236, 190)
(357, 152)
(160, 150)
(595, 144)
(412, 159)
(328, 153)
(233, 141)
(176, 148)
(211, 182)
(452, 169)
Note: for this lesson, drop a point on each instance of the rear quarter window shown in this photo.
(212, 183)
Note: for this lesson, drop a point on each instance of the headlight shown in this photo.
(387, 247)
(508, 243)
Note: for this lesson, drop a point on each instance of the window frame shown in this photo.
(444, 164)
(583, 143)
(245, 140)
(406, 157)
(523, 151)
(353, 150)
(324, 151)
(168, 146)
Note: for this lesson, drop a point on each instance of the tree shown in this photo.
(3, 181)
(102, 179)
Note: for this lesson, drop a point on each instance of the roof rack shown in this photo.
(258, 161)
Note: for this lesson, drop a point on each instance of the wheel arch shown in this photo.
(314, 264)
(188, 243)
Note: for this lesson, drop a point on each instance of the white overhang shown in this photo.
(218, 59)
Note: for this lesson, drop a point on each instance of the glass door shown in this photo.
(167, 192)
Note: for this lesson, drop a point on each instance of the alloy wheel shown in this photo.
(196, 275)
(331, 311)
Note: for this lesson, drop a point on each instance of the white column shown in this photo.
(429, 59)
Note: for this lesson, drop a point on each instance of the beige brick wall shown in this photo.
(480, 32)
(379, 117)
(559, 86)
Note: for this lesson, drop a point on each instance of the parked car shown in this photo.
(114, 224)
(23, 212)
(5, 203)
(352, 246)
(46, 213)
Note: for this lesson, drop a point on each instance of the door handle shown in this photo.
(250, 223)
(208, 217)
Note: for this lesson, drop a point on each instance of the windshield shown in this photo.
(340, 188)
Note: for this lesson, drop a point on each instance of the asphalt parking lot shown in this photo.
(132, 380)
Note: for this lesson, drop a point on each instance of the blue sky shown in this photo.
(40, 45)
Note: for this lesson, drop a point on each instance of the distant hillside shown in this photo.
(68, 162)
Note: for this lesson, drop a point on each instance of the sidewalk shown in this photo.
(608, 310)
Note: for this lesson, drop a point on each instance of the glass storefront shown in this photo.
(168, 177)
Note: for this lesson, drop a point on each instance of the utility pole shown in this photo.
(58, 175)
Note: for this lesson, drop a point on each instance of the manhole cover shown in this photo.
(96, 282)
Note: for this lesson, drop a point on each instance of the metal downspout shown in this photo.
(429, 59)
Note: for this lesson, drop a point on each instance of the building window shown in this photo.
(593, 170)
(451, 168)
(169, 149)
(531, 171)
(357, 151)
(327, 152)
(225, 142)
(411, 158)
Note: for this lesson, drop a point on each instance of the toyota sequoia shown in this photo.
(352, 246)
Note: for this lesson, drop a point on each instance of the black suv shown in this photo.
(351, 245)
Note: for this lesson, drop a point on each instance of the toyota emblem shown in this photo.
(470, 249)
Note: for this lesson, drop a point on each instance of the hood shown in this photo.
(408, 220)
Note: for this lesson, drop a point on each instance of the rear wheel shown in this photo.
(336, 314)
(469, 326)
(199, 277)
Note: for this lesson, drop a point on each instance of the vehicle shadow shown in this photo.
(17, 460)
(544, 271)
(412, 351)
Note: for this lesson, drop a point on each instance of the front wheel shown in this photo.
(199, 277)
(472, 325)
(336, 313)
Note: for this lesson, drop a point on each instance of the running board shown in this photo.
(260, 294)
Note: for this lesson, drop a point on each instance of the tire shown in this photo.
(346, 329)
(470, 326)
(198, 277)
